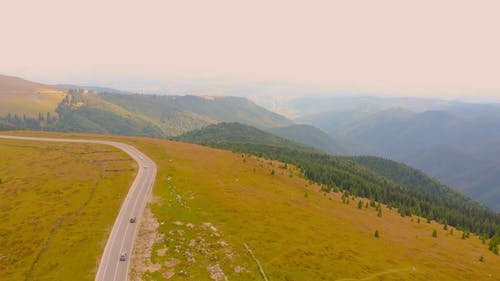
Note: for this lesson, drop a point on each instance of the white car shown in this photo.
(123, 256)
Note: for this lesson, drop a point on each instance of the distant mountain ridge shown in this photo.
(453, 141)
(311, 136)
(117, 112)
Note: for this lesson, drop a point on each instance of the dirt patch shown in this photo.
(141, 257)
(162, 252)
(216, 272)
(172, 262)
(169, 274)
(238, 269)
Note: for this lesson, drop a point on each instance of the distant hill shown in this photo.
(196, 111)
(237, 133)
(453, 141)
(313, 106)
(479, 170)
(83, 111)
(311, 136)
(164, 116)
(24, 98)
(412, 178)
(28, 105)
(94, 89)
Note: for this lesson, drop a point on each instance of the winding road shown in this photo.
(124, 232)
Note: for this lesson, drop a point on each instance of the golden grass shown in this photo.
(58, 202)
(30, 103)
(295, 231)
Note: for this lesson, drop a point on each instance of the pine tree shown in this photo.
(379, 213)
(434, 233)
(372, 203)
(493, 245)
(360, 204)
(483, 238)
(376, 234)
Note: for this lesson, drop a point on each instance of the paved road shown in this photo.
(123, 234)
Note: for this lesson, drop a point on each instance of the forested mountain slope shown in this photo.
(410, 191)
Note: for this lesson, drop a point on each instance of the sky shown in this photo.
(437, 48)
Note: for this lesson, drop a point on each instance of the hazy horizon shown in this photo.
(445, 49)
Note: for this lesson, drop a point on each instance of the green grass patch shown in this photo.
(58, 202)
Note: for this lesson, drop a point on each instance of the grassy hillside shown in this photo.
(83, 111)
(307, 237)
(198, 111)
(23, 98)
(209, 202)
(58, 202)
(434, 201)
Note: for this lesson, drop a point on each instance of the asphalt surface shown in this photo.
(123, 234)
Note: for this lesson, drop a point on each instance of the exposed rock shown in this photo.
(192, 243)
(169, 274)
(216, 272)
(206, 225)
(147, 236)
(172, 262)
(238, 269)
(162, 252)
(222, 243)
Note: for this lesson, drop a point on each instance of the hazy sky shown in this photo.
(445, 48)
